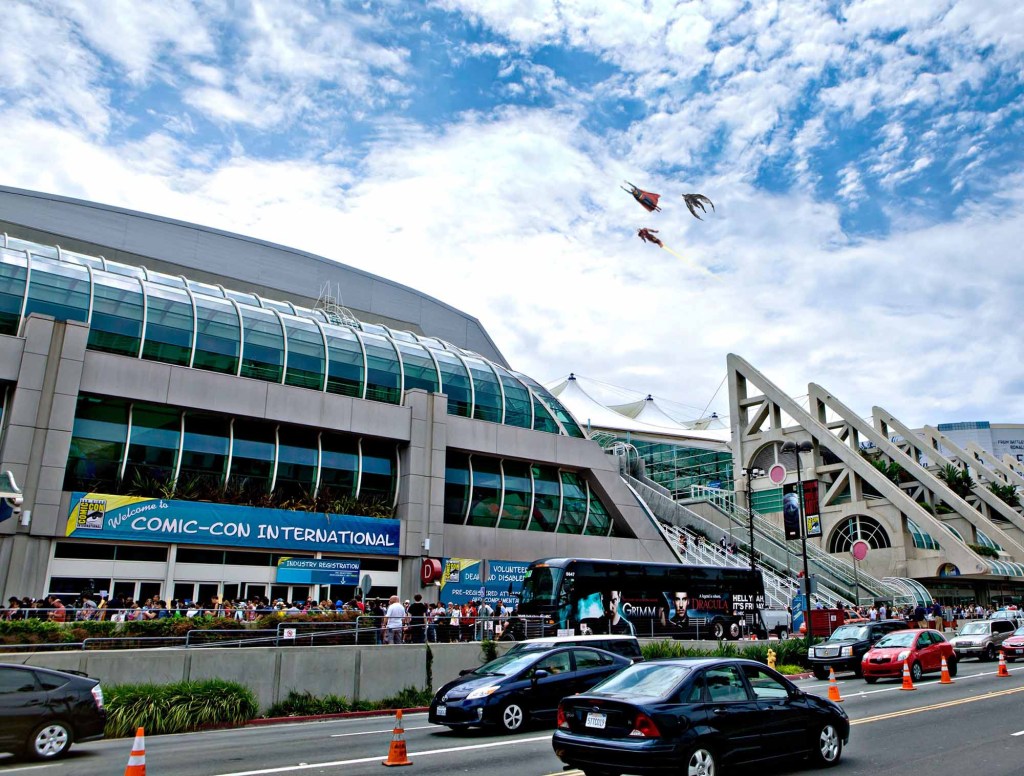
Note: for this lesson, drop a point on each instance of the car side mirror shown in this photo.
(465, 671)
(540, 673)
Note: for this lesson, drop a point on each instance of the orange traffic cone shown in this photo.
(1003, 670)
(137, 760)
(908, 684)
(833, 687)
(945, 679)
(396, 752)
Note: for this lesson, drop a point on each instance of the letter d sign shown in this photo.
(430, 571)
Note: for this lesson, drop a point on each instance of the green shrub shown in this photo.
(790, 651)
(178, 707)
(488, 650)
(788, 670)
(305, 704)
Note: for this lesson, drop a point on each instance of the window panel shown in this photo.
(153, 448)
(168, 326)
(296, 464)
(599, 523)
(98, 441)
(455, 384)
(218, 333)
(263, 355)
(58, 289)
(420, 371)
(517, 400)
(117, 314)
(306, 357)
(378, 468)
(204, 456)
(486, 496)
(344, 363)
(383, 373)
(13, 273)
(456, 487)
(252, 458)
(340, 465)
(568, 422)
(574, 504)
(546, 499)
(488, 393)
(515, 511)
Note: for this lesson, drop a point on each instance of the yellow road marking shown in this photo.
(935, 706)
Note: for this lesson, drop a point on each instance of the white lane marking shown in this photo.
(380, 732)
(897, 685)
(26, 768)
(1019, 733)
(380, 758)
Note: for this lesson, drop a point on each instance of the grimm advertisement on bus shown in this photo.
(673, 613)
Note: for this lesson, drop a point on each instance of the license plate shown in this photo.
(442, 710)
(595, 720)
(1018, 650)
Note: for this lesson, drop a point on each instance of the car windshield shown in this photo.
(849, 633)
(1019, 631)
(506, 665)
(974, 628)
(903, 639)
(643, 679)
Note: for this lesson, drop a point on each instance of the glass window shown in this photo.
(205, 289)
(281, 307)
(486, 498)
(724, 683)
(252, 458)
(515, 509)
(378, 467)
(518, 401)
(418, 366)
(339, 467)
(543, 420)
(567, 420)
(117, 312)
(296, 462)
(599, 522)
(547, 498)
(125, 270)
(344, 362)
(263, 355)
(588, 658)
(204, 455)
(455, 383)
(557, 663)
(163, 279)
(14, 681)
(574, 504)
(84, 550)
(652, 680)
(58, 289)
(168, 325)
(306, 357)
(242, 298)
(12, 290)
(97, 444)
(456, 487)
(153, 449)
(487, 390)
(218, 333)
(383, 373)
(765, 686)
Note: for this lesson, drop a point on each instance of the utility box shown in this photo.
(824, 621)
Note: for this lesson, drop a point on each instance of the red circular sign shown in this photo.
(777, 473)
(430, 571)
(859, 550)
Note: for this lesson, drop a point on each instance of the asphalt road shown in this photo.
(973, 726)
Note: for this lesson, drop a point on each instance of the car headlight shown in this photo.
(846, 652)
(810, 652)
(482, 692)
(903, 656)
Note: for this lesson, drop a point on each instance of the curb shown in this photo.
(339, 715)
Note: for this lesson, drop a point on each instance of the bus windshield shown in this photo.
(540, 587)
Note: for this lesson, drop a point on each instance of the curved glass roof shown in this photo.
(137, 312)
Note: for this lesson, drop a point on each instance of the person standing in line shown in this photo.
(418, 619)
(394, 620)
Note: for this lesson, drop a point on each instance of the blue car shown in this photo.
(518, 688)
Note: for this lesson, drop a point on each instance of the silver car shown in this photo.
(981, 638)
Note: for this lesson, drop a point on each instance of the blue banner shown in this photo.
(130, 518)
(325, 571)
(461, 581)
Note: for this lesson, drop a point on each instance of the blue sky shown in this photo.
(864, 158)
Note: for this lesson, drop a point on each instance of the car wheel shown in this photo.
(990, 652)
(951, 665)
(783, 634)
(701, 762)
(718, 631)
(916, 672)
(49, 741)
(819, 673)
(828, 747)
(870, 679)
(512, 717)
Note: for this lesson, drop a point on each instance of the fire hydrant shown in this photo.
(771, 658)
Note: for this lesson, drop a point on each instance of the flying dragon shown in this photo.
(694, 201)
(648, 201)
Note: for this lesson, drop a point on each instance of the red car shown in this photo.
(920, 648)
(1013, 647)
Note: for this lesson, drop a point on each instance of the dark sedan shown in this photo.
(695, 717)
(43, 711)
(516, 688)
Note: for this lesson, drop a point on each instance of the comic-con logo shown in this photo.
(90, 514)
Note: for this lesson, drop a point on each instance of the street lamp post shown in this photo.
(803, 447)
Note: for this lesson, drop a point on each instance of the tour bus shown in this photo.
(593, 596)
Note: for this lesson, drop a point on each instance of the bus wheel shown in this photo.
(718, 631)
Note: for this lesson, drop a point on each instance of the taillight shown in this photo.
(644, 727)
(97, 695)
(563, 722)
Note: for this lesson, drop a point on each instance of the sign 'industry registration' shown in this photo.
(131, 518)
